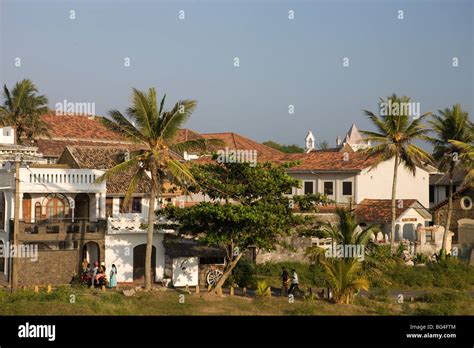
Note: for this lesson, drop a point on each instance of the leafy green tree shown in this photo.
(394, 139)
(248, 209)
(467, 160)
(154, 132)
(450, 125)
(22, 109)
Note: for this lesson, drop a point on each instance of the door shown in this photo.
(139, 253)
(26, 208)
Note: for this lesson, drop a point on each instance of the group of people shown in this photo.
(286, 279)
(97, 272)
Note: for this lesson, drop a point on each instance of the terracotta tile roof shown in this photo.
(95, 157)
(185, 134)
(55, 147)
(236, 141)
(379, 210)
(327, 161)
(79, 127)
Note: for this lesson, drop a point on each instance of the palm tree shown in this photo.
(344, 277)
(22, 109)
(450, 124)
(154, 131)
(347, 231)
(467, 160)
(394, 139)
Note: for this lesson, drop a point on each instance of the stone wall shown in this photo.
(293, 248)
(458, 213)
(52, 267)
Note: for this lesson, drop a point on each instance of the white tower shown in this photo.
(309, 142)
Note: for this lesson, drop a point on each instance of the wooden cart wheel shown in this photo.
(213, 277)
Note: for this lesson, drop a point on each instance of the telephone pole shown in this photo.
(16, 226)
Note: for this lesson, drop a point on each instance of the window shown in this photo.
(211, 260)
(308, 187)
(136, 205)
(446, 191)
(328, 188)
(347, 188)
(466, 203)
(37, 211)
(109, 207)
(55, 209)
(432, 191)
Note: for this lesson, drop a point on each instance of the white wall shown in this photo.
(377, 183)
(7, 135)
(119, 251)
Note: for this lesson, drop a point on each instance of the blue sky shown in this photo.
(282, 62)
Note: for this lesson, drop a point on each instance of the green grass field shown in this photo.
(83, 301)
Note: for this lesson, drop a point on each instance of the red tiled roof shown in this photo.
(235, 141)
(328, 161)
(79, 127)
(379, 210)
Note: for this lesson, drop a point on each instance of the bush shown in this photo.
(308, 274)
(242, 275)
(308, 202)
(263, 290)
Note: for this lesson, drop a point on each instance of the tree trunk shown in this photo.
(149, 239)
(228, 270)
(449, 213)
(394, 207)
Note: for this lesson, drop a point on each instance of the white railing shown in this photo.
(60, 179)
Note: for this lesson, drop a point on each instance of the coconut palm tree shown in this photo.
(347, 231)
(448, 125)
(154, 131)
(344, 277)
(394, 139)
(22, 109)
(467, 160)
(343, 274)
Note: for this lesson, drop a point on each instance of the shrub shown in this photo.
(243, 273)
(263, 290)
(308, 202)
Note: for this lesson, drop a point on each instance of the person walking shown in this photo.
(113, 277)
(284, 281)
(95, 270)
(294, 282)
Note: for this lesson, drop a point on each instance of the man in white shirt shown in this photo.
(294, 281)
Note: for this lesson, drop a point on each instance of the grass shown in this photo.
(83, 301)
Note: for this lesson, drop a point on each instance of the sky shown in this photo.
(282, 61)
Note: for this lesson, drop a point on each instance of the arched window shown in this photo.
(37, 211)
(55, 209)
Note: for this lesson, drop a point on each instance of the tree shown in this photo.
(22, 109)
(343, 274)
(154, 131)
(248, 209)
(450, 125)
(467, 160)
(394, 139)
(323, 145)
(284, 148)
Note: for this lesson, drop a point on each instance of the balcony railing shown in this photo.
(61, 227)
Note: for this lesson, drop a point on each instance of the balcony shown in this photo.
(64, 229)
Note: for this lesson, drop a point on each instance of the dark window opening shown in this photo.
(328, 188)
(211, 260)
(308, 187)
(347, 188)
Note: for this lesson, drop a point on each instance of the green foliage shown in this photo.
(308, 274)
(452, 274)
(242, 274)
(22, 108)
(379, 294)
(263, 290)
(444, 303)
(420, 259)
(263, 215)
(284, 148)
(345, 278)
(309, 201)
